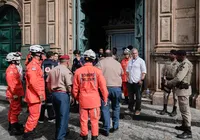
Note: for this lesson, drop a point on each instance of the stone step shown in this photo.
(148, 113)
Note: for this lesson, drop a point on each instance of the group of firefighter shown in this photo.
(87, 85)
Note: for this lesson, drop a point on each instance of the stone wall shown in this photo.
(177, 28)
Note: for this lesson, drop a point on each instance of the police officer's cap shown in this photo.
(181, 53)
(66, 57)
(173, 52)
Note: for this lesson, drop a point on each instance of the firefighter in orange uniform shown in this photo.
(14, 93)
(35, 91)
(29, 56)
(124, 64)
(87, 80)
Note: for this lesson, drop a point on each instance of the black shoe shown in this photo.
(15, 130)
(28, 136)
(9, 126)
(161, 112)
(84, 137)
(20, 127)
(182, 128)
(185, 135)
(94, 137)
(104, 133)
(173, 114)
(114, 130)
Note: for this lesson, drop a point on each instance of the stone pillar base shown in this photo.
(197, 102)
(157, 98)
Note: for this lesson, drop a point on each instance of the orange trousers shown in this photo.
(34, 114)
(14, 111)
(125, 89)
(94, 114)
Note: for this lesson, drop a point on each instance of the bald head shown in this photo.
(108, 53)
(134, 53)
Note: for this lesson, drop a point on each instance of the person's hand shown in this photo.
(105, 103)
(72, 101)
(140, 82)
(15, 97)
(41, 98)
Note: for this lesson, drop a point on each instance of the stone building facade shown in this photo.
(168, 24)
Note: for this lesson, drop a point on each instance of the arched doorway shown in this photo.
(10, 36)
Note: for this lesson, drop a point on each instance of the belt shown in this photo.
(113, 86)
(59, 91)
(169, 78)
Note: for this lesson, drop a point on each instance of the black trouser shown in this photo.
(134, 89)
(49, 106)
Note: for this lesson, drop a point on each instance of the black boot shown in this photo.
(174, 112)
(84, 137)
(9, 126)
(186, 134)
(162, 112)
(125, 102)
(182, 128)
(14, 130)
(94, 137)
(28, 136)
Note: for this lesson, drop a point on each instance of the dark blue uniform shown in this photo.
(47, 65)
(77, 64)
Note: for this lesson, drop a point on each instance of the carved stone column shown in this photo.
(165, 25)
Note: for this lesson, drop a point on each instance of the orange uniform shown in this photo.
(87, 80)
(124, 64)
(27, 61)
(15, 87)
(34, 89)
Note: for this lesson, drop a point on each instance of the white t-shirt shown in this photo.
(135, 69)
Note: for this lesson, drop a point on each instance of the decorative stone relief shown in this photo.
(27, 13)
(165, 28)
(51, 11)
(27, 35)
(51, 34)
(185, 31)
(190, 12)
(165, 6)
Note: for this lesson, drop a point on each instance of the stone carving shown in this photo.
(165, 6)
(27, 13)
(27, 35)
(181, 13)
(51, 34)
(185, 31)
(126, 17)
(165, 28)
(51, 11)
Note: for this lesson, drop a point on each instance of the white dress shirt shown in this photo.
(135, 69)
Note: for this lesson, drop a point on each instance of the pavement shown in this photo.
(147, 126)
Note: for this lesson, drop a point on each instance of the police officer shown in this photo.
(182, 82)
(47, 65)
(168, 73)
(35, 91)
(87, 80)
(14, 93)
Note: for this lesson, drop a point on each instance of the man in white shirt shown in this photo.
(136, 72)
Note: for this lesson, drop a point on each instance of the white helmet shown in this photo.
(90, 54)
(36, 48)
(127, 51)
(13, 56)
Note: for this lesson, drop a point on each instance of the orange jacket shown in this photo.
(34, 82)
(14, 83)
(87, 80)
(124, 64)
(29, 56)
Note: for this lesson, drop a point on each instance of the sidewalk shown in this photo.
(147, 126)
